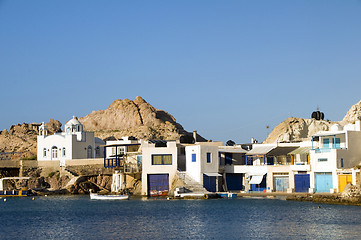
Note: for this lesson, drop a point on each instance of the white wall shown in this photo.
(147, 168)
(74, 149)
(196, 169)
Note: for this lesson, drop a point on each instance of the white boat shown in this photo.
(96, 196)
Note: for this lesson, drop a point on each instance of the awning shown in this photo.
(281, 151)
(301, 150)
(257, 179)
(213, 174)
(260, 149)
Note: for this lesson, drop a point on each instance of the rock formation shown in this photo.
(299, 129)
(353, 114)
(122, 118)
(134, 118)
(22, 138)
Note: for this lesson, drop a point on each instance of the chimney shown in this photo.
(195, 135)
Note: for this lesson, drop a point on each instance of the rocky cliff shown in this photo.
(299, 129)
(122, 118)
(22, 137)
(134, 118)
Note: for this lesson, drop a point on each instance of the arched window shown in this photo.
(89, 152)
(54, 151)
(44, 152)
(97, 151)
(64, 152)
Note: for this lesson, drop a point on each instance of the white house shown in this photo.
(159, 166)
(333, 160)
(72, 143)
(202, 165)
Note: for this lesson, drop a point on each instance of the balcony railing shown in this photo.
(322, 150)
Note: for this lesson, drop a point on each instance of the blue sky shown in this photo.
(225, 68)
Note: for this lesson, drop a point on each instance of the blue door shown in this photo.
(260, 187)
(234, 181)
(323, 182)
(302, 182)
(210, 183)
(158, 184)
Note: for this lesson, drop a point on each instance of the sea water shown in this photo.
(78, 217)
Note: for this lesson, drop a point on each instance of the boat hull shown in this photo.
(95, 196)
(14, 193)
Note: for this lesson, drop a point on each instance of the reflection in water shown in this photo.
(72, 217)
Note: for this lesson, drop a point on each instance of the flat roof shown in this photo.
(328, 133)
(232, 150)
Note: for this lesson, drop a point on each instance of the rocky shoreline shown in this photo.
(350, 196)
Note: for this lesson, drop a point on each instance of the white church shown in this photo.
(72, 143)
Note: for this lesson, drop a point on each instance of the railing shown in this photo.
(322, 150)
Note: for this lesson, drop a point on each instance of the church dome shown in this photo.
(73, 121)
(73, 126)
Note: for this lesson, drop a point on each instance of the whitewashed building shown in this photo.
(72, 143)
(159, 166)
(333, 160)
(202, 165)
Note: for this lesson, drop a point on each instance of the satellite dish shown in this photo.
(230, 143)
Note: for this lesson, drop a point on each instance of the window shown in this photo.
(97, 151)
(194, 157)
(162, 159)
(228, 158)
(322, 159)
(209, 157)
(326, 143)
(54, 151)
(341, 162)
(113, 150)
(64, 152)
(336, 143)
(44, 152)
(89, 152)
(121, 150)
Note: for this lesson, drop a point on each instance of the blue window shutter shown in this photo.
(341, 162)
(208, 157)
(194, 157)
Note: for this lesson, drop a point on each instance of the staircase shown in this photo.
(191, 185)
(73, 177)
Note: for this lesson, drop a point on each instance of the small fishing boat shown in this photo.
(23, 192)
(227, 195)
(95, 196)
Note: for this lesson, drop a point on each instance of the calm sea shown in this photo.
(78, 217)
